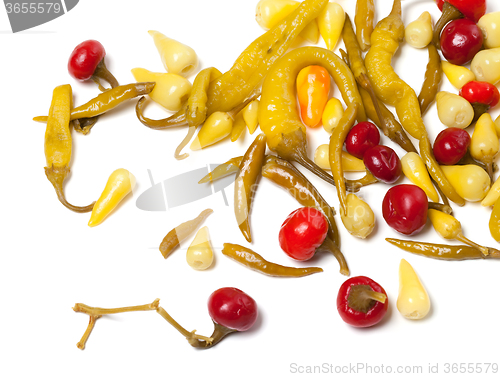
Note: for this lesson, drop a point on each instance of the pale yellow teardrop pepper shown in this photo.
(414, 169)
(454, 110)
(176, 57)
(170, 91)
(200, 254)
(332, 114)
(490, 27)
(239, 127)
(269, 12)
(418, 33)
(492, 195)
(349, 162)
(250, 114)
(330, 22)
(471, 181)
(413, 300)
(494, 223)
(120, 184)
(359, 220)
(217, 127)
(484, 143)
(497, 125)
(457, 75)
(486, 65)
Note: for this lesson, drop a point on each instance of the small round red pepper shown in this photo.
(87, 62)
(471, 9)
(362, 302)
(481, 95)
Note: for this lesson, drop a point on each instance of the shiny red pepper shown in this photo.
(471, 9)
(362, 302)
(480, 92)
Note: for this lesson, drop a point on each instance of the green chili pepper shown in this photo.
(433, 75)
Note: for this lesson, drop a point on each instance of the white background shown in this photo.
(51, 259)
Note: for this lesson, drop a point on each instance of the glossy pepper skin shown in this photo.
(482, 96)
(365, 15)
(278, 115)
(87, 62)
(254, 261)
(391, 89)
(472, 9)
(313, 86)
(232, 308)
(494, 223)
(246, 183)
(443, 252)
(58, 144)
(362, 302)
(433, 75)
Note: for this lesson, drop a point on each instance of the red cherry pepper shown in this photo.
(460, 41)
(362, 137)
(482, 96)
(303, 231)
(87, 62)
(232, 308)
(362, 302)
(451, 145)
(383, 163)
(405, 208)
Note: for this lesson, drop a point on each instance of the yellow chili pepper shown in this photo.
(330, 23)
(363, 19)
(418, 33)
(332, 114)
(457, 75)
(470, 181)
(313, 86)
(170, 91)
(493, 194)
(278, 115)
(414, 169)
(484, 143)
(489, 25)
(250, 113)
(217, 127)
(486, 65)
(176, 57)
(454, 110)
(58, 144)
(413, 300)
(494, 223)
(358, 219)
(349, 162)
(269, 12)
(450, 228)
(200, 254)
(120, 183)
(238, 126)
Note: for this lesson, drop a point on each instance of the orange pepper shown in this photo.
(313, 86)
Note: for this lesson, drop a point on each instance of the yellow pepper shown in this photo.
(454, 110)
(486, 65)
(484, 143)
(489, 25)
(250, 113)
(238, 127)
(120, 183)
(492, 195)
(494, 223)
(176, 57)
(418, 33)
(413, 300)
(200, 254)
(58, 143)
(457, 75)
(217, 127)
(414, 169)
(332, 114)
(270, 12)
(170, 91)
(349, 162)
(450, 229)
(497, 125)
(471, 181)
(313, 86)
(359, 219)
(330, 23)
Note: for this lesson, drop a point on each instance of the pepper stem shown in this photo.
(86, 334)
(450, 13)
(372, 295)
(94, 311)
(84, 125)
(176, 120)
(362, 298)
(183, 143)
(329, 245)
(440, 207)
(191, 336)
(219, 333)
(56, 176)
(101, 72)
(460, 237)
